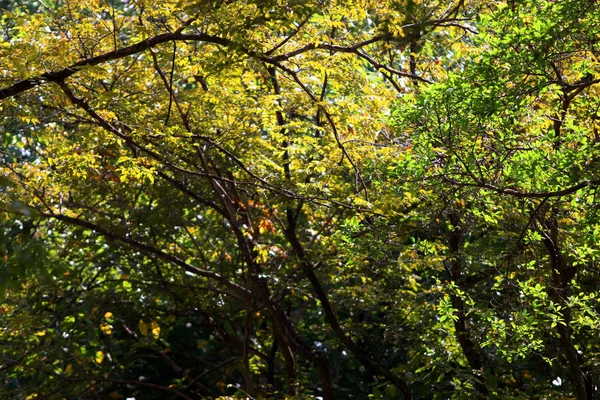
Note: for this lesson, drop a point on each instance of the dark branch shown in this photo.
(147, 249)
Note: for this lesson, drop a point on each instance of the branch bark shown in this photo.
(472, 353)
(147, 249)
(331, 319)
(562, 273)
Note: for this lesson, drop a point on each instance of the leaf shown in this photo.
(99, 358)
(143, 327)
(155, 329)
(106, 329)
(126, 286)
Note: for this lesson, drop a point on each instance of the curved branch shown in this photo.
(531, 195)
(391, 70)
(61, 75)
(316, 101)
(147, 249)
(331, 318)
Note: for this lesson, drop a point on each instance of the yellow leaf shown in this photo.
(99, 356)
(106, 329)
(108, 315)
(69, 369)
(143, 327)
(155, 329)
(40, 333)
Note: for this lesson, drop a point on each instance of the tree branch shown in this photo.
(147, 249)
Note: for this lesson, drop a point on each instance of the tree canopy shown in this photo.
(349, 199)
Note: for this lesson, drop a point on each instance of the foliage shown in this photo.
(299, 199)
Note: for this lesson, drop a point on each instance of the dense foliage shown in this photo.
(299, 199)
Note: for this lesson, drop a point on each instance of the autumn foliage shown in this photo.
(327, 199)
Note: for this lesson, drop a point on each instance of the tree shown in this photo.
(513, 137)
(266, 199)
